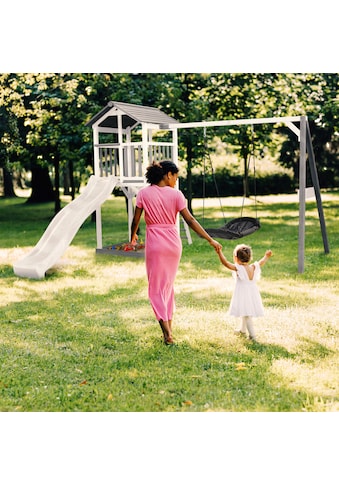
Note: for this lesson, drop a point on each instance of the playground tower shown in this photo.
(126, 139)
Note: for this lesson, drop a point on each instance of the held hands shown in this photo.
(217, 246)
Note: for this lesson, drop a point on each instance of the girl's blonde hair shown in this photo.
(243, 253)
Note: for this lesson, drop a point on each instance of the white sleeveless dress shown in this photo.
(246, 300)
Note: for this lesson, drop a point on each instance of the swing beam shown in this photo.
(304, 136)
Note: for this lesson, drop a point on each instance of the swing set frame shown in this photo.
(240, 226)
(305, 142)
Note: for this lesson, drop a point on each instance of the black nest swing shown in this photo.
(240, 226)
(236, 228)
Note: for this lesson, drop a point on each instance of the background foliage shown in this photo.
(43, 116)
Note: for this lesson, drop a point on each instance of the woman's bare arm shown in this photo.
(135, 225)
(197, 228)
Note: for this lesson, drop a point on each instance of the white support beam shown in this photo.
(293, 128)
(98, 225)
(130, 211)
(129, 153)
(96, 151)
(144, 145)
(98, 222)
(120, 149)
(249, 121)
(175, 146)
(149, 145)
(302, 195)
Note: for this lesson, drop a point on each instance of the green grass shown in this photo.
(85, 337)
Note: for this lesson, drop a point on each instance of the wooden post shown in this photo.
(97, 173)
(130, 212)
(128, 163)
(175, 146)
(98, 225)
(120, 147)
(96, 150)
(144, 146)
(302, 187)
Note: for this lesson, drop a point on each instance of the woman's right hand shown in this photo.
(134, 240)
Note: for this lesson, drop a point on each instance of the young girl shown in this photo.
(246, 300)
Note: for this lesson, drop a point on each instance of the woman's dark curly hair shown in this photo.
(155, 172)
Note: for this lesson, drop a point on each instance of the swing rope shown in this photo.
(241, 226)
(207, 155)
(252, 155)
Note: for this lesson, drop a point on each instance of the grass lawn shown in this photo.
(85, 337)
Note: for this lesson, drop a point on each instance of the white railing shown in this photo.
(132, 160)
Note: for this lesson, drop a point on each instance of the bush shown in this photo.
(225, 184)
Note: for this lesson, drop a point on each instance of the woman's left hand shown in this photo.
(217, 246)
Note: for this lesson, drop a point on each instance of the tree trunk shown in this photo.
(57, 203)
(69, 182)
(8, 184)
(71, 177)
(42, 188)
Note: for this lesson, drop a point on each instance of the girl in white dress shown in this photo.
(246, 300)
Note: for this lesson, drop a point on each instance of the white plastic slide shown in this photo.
(63, 227)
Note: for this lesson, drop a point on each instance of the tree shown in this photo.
(244, 96)
(43, 118)
(316, 95)
(16, 95)
(184, 98)
(7, 133)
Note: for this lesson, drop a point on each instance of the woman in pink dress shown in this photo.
(161, 203)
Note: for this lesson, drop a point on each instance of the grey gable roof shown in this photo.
(132, 115)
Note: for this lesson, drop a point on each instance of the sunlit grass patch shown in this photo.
(314, 378)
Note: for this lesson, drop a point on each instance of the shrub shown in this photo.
(224, 184)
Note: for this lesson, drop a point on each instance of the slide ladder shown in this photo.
(63, 227)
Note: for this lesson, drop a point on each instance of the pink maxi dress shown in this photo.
(163, 245)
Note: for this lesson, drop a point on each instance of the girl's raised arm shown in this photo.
(267, 256)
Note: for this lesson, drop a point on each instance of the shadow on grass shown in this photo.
(270, 351)
(314, 351)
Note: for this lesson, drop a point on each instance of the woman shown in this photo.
(161, 202)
